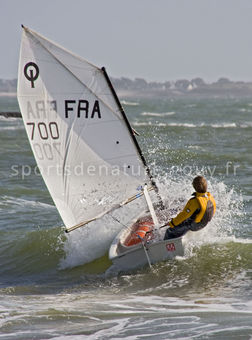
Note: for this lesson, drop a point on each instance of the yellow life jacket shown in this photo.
(207, 210)
(198, 211)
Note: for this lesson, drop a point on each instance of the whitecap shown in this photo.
(224, 125)
(244, 110)
(14, 201)
(142, 124)
(189, 125)
(125, 102)
(246, 125)
(11, 128)
(158, 114)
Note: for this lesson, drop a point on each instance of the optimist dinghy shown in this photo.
(86, 150)
(143, 243)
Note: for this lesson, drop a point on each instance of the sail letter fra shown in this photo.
(82, 107)
(96, 109)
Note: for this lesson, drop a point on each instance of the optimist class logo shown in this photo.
(31, 72)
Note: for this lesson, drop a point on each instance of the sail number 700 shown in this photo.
(45, 132)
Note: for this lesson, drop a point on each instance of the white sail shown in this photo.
(81, 141)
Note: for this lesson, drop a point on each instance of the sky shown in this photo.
(158, 40)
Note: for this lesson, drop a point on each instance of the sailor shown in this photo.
(198, 211)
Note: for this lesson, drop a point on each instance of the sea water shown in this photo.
(55, 286)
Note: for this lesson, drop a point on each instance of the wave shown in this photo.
(11, 128)
(245, 110)
(148, 124)
(192, 125)
(232, 125)
(30, 253)
(9, 119)
(224, 125)
(124, 102)
(191, 105)
(156, 114)
(129, 316)
(216, 126)
(246, 125)
(14, 202)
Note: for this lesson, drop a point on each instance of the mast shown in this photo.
(131, 133)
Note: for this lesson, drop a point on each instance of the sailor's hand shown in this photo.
(165, 225)
(169, 224)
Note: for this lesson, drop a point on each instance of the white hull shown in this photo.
(132, 257)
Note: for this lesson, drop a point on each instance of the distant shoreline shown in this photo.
(8, 94)
(183, 88)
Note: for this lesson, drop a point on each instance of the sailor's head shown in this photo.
(200, 184)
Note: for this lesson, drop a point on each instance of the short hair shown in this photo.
(200, 184)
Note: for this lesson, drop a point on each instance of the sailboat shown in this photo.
(85, 148)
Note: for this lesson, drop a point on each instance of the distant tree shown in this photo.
(197, 82)
(140, 83)
(8, 85)
(155, 85)
(14, 83)
(122, 83)
(1, 86)
(167, 85)
(223, 81)
(182, 84)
